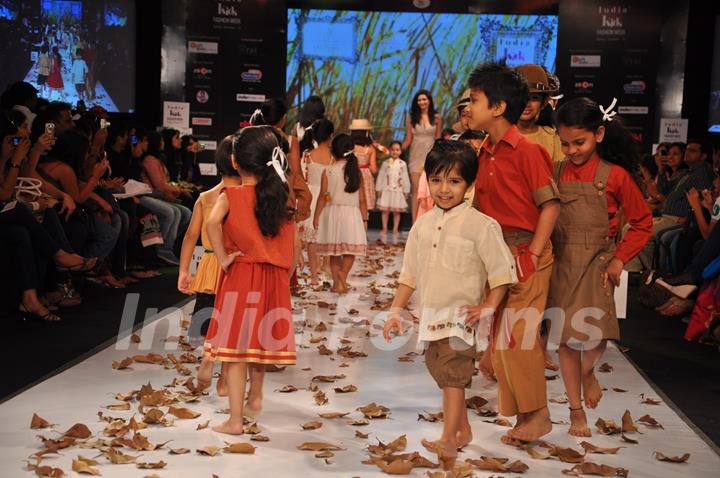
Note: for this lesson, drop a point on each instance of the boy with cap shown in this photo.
(540, 90)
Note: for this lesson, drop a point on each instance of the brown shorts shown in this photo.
(451, 362)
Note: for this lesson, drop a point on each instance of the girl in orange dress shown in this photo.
(252, 233)
(205, 282)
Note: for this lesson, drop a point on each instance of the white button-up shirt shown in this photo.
(449, 258)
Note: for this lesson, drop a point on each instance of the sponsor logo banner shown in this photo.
(249, 98)
(205, 47)
(633, 110)
(585, 61)
(635, 87)
(199, 121)
(202, 96)
(253, 75)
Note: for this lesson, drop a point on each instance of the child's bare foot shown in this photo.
(230, 427)
(520, 419)
(446, 451)
(253, 407)
(204, 376)
(578, 423)
(550, 363)
(486, 367)
(592, 392)
(221, 387)
(535, 425)
(464, 438)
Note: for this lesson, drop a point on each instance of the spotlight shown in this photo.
(421, 3)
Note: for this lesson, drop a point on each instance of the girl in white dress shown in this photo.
(339, 213)
(393, 187)
(314, 162)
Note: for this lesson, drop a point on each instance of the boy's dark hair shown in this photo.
(399, 143)
(447, 153)
(447, 131)
(361, 137)
(500, 83)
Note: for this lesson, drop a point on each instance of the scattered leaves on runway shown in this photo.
(48, 471)
(327, 378)
(179, 451)
(151, 466)
(118, 458)
(123, 364)
(649, 421)
(287, 389)
(119, 406)
(503, 422)
(37, 422)
(431, 417)
(320, 398)
(240, 447)
(605, 368)
(590, 448)
(535, 453)
(318, 446)
(202, 426)
(346, 389)
(78, 430)
(627, 423)
(672, 459)
(361, 435)
(360, 422)
(500, 465)
(209, 450)
(332, 415)
(311, 425)
(261, 438)
(183, 413)
(567, 455)
(80, 466)
(589, 468)
(607, 427)
(374, 411)
(475, 402)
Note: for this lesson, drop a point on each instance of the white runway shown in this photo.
(78, 394)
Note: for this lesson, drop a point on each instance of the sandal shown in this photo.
(27, 316)
(68, 296)
(87, 264)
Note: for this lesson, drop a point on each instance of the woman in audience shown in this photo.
(172, 155)
(155, 174)
(190, 147)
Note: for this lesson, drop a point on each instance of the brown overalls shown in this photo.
(582, 253)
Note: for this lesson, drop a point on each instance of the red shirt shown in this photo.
(514, 179)
(621, 192)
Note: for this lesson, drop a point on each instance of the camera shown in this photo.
(104, 123)
(133, 139)
(16, 140)
(50, 128)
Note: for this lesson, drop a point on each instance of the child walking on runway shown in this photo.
(339, 213)
(595, 182)
(393, 187)
(253, 236)
(452, 253)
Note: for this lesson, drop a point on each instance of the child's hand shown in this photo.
(476, 313)
(693, 197)
(229, 259)
(183, 284)
(393, 326)
(613, 272)
(707, 199)
(316, 223)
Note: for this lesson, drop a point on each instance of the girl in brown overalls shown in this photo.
(595, 181)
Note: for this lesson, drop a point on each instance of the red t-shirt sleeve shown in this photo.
(637, 214)
(538, 174)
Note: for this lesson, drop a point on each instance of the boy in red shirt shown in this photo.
(515, 187)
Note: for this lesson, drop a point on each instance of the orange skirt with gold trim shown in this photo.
(253, 316)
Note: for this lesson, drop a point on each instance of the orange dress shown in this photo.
(252, 321)
(207, 276)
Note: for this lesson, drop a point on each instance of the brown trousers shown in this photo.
(517, 355)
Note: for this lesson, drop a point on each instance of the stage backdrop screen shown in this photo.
(370, 64)
(714, 110)
(71, 50)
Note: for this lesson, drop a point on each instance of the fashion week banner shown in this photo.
(610, 49)
(233, 60)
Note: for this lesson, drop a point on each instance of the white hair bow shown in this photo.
(608, 112)
(279, 162)
(300, 130)
(257, 113)
(348, 153)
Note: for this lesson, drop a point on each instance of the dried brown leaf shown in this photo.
(672, 459)
(535, 454)
(179, 451)
(332, 415)
(627, 439)
(649, 421)
(151, 466)
(311, 425)
(323, 350)
(605, 368)
(78, 431)
(320, 398)
(627, 423)
(37, 422)
(118, 458)
(475, 402)
(567, 455)
(346, 389)
(318, 446)
(327, 378)
(373, 410)
(397, 467)
(184, 413)
(359, 434)
(259, 438)
(202, 426)
(123, 364)
(589, 468)
(287, 389)
(607, 427)
(119, 406)
(619, 390)
(240, 447)
(360, 422)
(503, 422)
(80, 466)
(209, 450)
(590, 448)
(431, 417)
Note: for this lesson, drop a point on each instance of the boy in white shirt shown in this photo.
(79, 71)
(452, 253)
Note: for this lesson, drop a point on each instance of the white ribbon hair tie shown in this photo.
(279, 162)
(301, 131)
(315, 144)
(257, 113)
(348, 153)
(608, 112)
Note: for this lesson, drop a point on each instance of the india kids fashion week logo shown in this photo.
(611, 22)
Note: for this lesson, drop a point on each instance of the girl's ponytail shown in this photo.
(342, 148)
